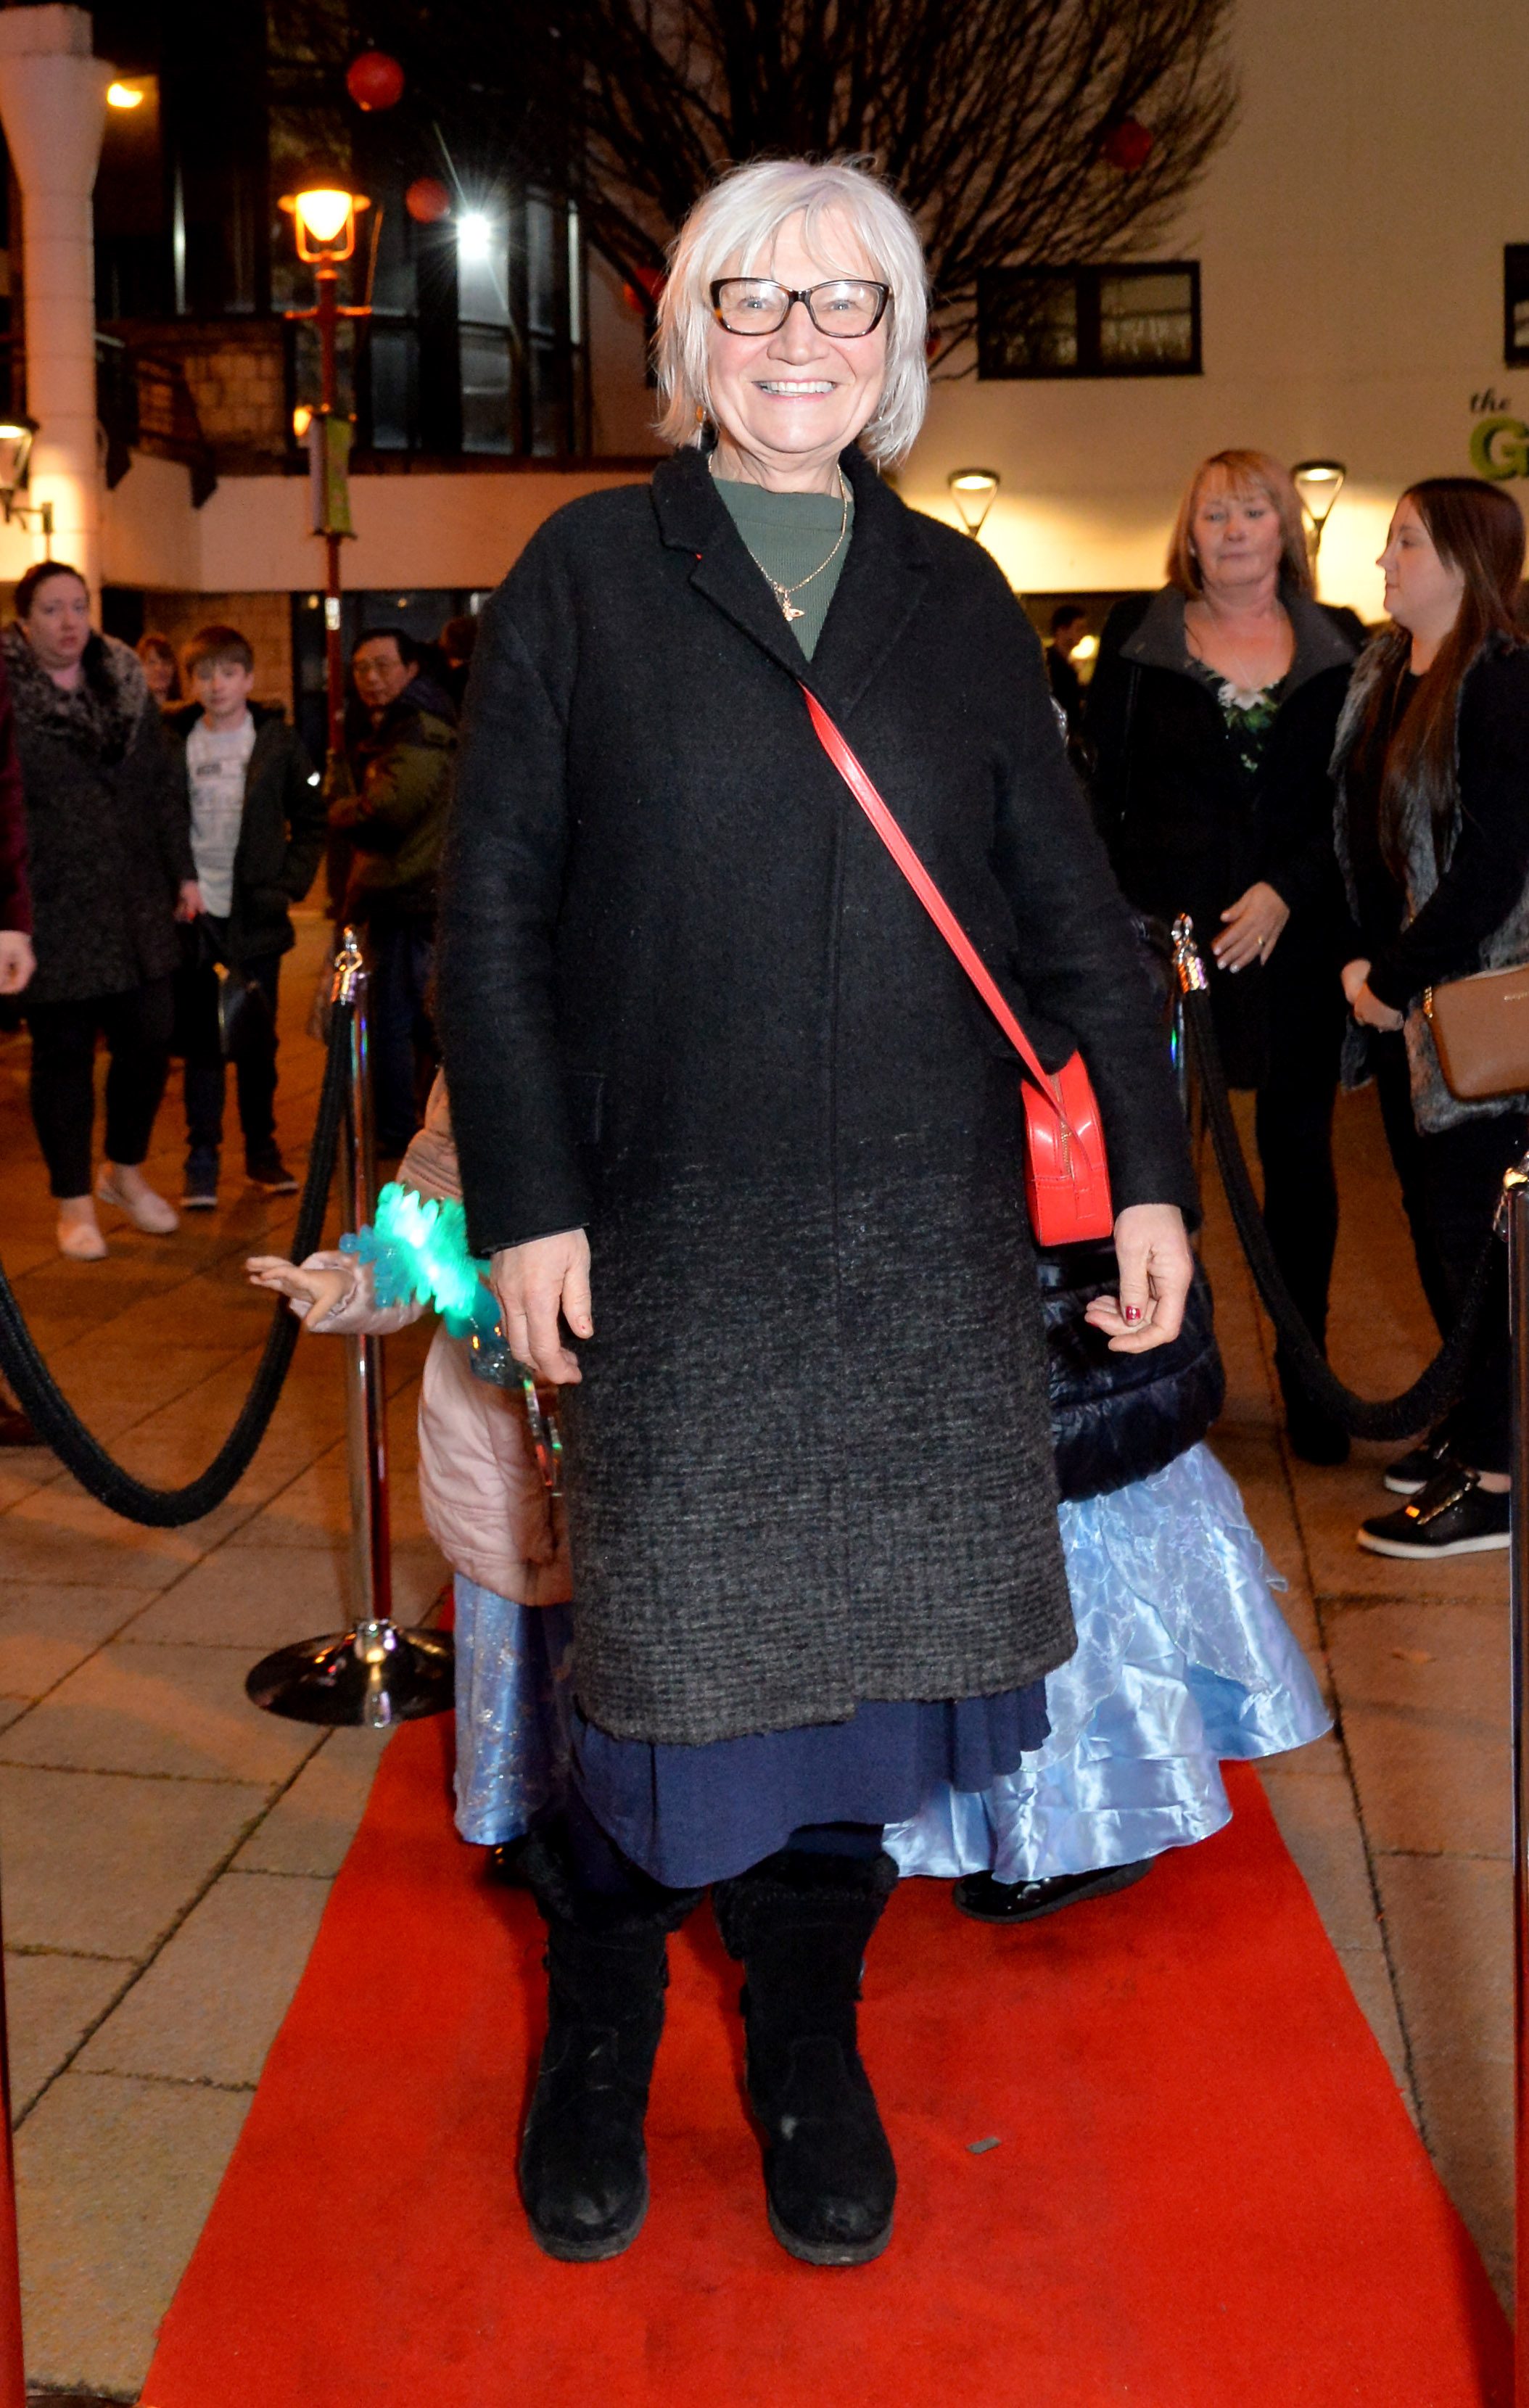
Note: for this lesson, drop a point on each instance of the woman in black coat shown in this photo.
(1212, 712)
(109, 866)
(710, 1065)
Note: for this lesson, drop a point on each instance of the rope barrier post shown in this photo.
(12, 2368)
(374, 1673)
(1515, 1212)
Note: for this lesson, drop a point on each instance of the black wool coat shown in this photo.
(1188, 832)
(108, 836)
(281, 834)
(686, 1000)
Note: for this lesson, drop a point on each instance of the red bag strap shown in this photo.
(854, 773)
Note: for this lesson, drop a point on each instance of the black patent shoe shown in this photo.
(1454, 1515)
(1419, 1466)
(987, 1900)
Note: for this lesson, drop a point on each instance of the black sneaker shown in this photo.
(268, 1171)
(1419, 1466)
(1454, 1515)
(200, 1191)
(987, 1900)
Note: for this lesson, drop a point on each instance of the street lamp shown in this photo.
(974, 490)
(324, 215)
(16, 435)
(1318, 483)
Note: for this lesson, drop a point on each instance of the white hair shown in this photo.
(733, 229)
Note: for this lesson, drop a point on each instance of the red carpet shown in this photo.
(1205, 2193)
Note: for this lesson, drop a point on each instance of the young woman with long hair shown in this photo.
(1433, 834)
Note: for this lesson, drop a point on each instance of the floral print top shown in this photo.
(1247, 712)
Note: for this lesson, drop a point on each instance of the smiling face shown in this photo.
(1236, 537)
(1423, 593)
(787, 404)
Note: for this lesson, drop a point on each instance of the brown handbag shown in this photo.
(1480, 1028)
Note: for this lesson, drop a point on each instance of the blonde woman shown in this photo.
(747, 1157)
(1213, 710)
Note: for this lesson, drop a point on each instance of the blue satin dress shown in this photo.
(1183, 1658)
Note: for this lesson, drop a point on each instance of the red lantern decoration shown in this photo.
(373, 80)
(1129, 145)
(641, 294)
(427, 200)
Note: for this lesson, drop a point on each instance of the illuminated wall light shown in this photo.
(475, 236)
(124, 95)
(302, 419)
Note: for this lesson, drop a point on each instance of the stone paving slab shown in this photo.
(46, 1632)
(117, 2177)
(106, 1866)
(312, 1824)
(53, 2000)
(212, 2001)
(176, 1712)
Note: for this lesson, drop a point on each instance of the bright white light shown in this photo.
(1085, 647)
(124, 95)
(475, 236)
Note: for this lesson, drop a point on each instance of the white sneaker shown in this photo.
(81, 1241)
(147, 1211)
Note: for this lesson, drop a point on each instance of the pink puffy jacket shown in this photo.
(485, 1503)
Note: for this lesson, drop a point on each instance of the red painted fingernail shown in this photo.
(1132, 1312)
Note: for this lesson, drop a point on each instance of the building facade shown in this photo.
(1350, 281)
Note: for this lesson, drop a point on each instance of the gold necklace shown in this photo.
(783, 592)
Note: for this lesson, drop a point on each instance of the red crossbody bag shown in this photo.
(1067, 1177)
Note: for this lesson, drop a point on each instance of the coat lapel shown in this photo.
(882, 582)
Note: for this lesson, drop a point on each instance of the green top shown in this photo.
(789, 535)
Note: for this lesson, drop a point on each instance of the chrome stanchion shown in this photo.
(12, 2368)
(373, 1673)
(1515, 1213)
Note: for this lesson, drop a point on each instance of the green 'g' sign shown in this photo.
(1500, 447)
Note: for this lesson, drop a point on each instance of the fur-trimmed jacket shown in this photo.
(1499, 943)
(107, 836)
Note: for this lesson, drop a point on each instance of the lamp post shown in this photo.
(1318, 483)
(16, 435)
(975, 490)
(323, 217)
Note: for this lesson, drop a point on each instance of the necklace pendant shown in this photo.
(789, 609)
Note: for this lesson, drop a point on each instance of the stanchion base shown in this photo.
(326, 1680)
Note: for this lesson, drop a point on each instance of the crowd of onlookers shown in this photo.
(1342, 815)
(157, 825)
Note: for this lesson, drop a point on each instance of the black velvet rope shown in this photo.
(59, 1425)
(1431, 1395)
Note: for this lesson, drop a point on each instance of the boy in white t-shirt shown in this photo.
(257, 830)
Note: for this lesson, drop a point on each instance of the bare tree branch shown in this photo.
(992, 118)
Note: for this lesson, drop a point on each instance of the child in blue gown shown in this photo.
(1183, 1657)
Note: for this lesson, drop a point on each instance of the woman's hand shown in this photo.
(320, 1290)
(1355, 978)
(189, 904)
(1252, 929)
(1152, 1248)
(1371, 1012)
(17, 961)
(534, 1282)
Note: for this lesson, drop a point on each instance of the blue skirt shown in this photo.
(1183, 1658)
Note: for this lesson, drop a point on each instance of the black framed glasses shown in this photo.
(846, 305)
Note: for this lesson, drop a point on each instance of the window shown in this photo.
(1516, 304)
(1091, 321)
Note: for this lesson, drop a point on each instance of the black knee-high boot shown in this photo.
(800, 1924)
(584, 2162)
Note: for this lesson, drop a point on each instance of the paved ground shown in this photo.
(167, 1851)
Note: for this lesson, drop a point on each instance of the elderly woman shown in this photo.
(1213, 712)
(732, 1123)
